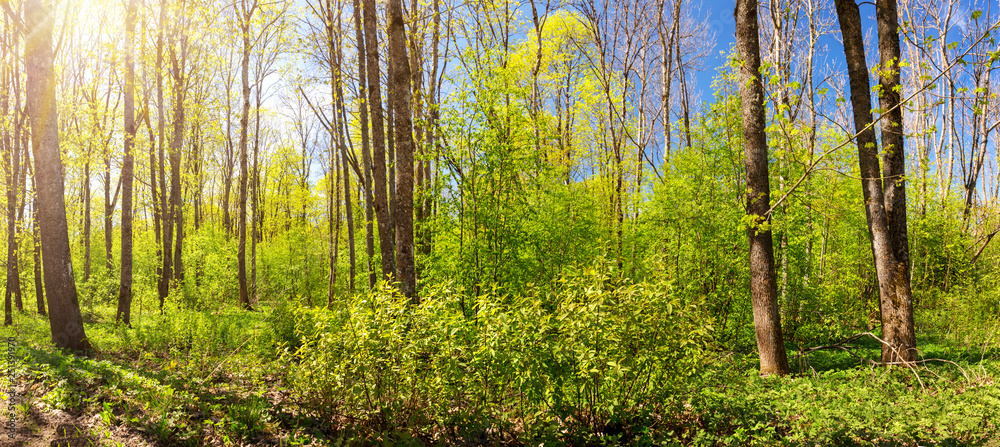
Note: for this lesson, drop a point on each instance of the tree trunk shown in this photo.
(165, 221)
(903, 346)
(431, 145)
(124, 314)
(109, 210)
(12, 162)
(334, 222)
(36, 241)
(86, 214)
(246, 13)
(403, 129)
(871, 180)
(255, 220)
(64, 309)
(763, 286)
(419, 131)
(366, 158)
(385, 224)
(178, 62)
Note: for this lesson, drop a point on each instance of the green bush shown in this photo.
(593, 355)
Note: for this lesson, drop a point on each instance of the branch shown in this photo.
(876, 120)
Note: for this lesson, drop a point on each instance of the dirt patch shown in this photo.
(57, 428)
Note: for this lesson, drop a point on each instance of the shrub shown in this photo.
(594, 353)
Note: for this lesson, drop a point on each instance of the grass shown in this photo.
(228, 377)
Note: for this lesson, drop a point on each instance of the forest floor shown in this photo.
(216, 378)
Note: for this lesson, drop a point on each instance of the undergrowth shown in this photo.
(592, 359)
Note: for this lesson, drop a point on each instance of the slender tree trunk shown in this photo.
(385, 224)
(124, 314)
(763, 284)
(227, 175)
(64, 310)
(255, 214)
(419, 131)
(334, 222)
(366, 158)
(246, 13)
(903, 346)
(165, 220)
(390, 149)
(109, 209)
(36, 242)
(685, 97)
(871, 178)
(350, 218)
(86, 215)
(178, 62)
(431, 144)
(12, 163)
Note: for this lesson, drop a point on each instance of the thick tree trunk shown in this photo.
(763, 286)
(124, 314)
(403, 129)
(385, 224)
(871, 178)
(64, 309)
(903, 345)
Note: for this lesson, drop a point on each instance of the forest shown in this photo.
(496, 222)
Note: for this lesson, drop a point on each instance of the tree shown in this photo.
(64, 309)
(175, 208)
(244, 13)
(399, 71)
(382, 205)
(366, 158)
(904, 341)
(763, 284)
(10, 145)
(896, 346)
(124, 314)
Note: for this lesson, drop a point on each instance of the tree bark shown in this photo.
(385, 224)
(366, 158)
(12, 162)
(36, 242)
(64, 309)
(903, 346)
(871, 178)
(763, 286)
(85, 185)
(166, 218)
(178, 61)
(403, 130)
(124, 314)
(245, 13)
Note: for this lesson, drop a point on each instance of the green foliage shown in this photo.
(581, 355)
